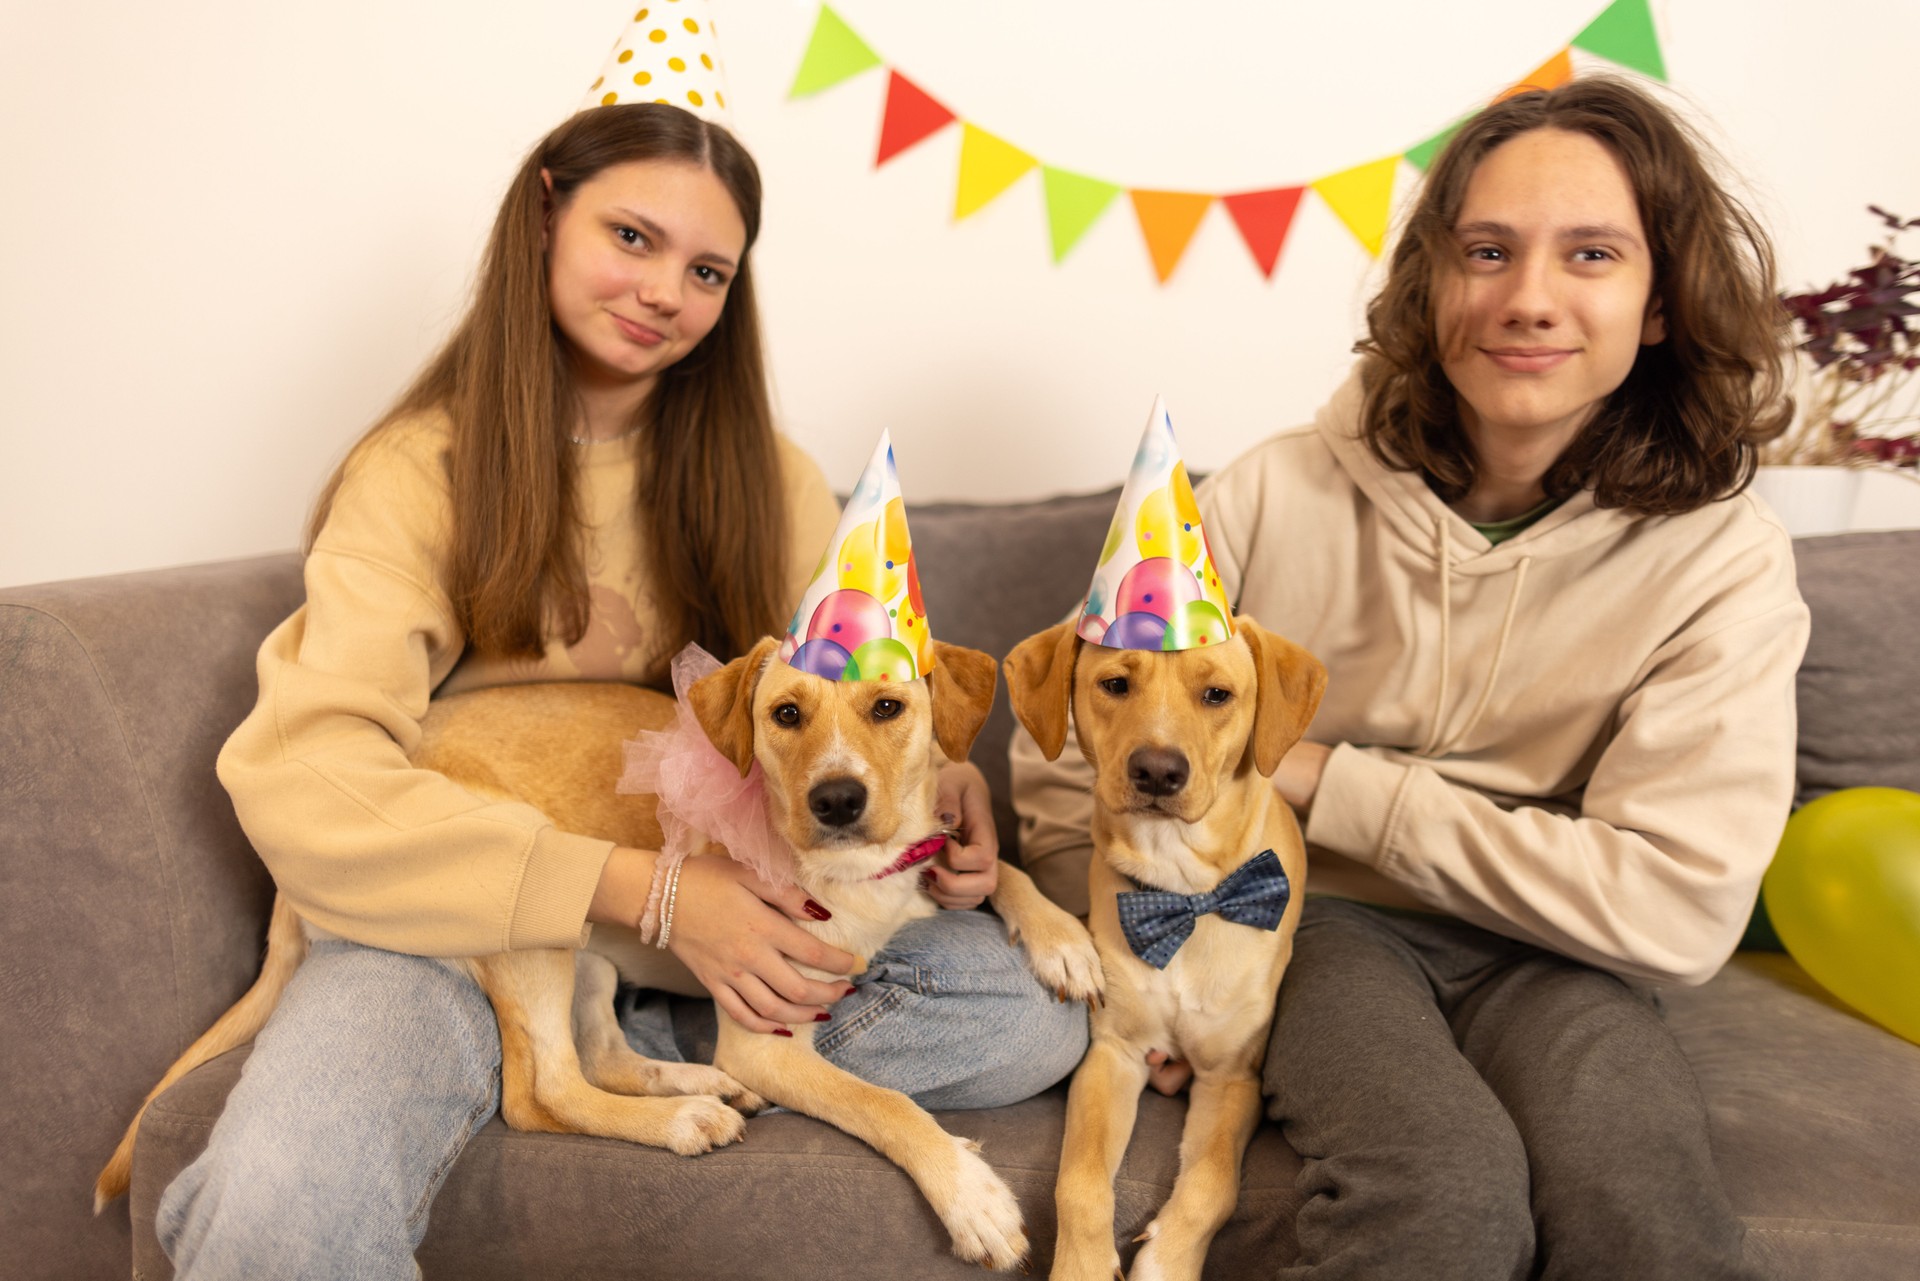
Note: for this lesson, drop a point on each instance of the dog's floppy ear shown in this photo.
(1040, 684)
(1291, 683)
(961, 682)
(723, 704)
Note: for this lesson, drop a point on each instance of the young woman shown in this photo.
(582, 482)
(1557, 744)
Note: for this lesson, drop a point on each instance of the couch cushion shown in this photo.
(1816, 1120)
(1816, 1130)
(797, 1199)
(1859, 700)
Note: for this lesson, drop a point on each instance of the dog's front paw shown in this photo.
(1062, 956)
(982, 1215)
(701, 1123)
(698, 1078)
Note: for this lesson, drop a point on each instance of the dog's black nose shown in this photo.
(838, 801)
(1157, 771)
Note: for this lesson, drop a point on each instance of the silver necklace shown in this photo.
(588, 440)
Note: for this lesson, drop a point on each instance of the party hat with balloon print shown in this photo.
(668, 53)
(1155, 586)
(862, 617)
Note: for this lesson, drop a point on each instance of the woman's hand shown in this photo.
(731, 929)
(968, 869)
(1298, 777)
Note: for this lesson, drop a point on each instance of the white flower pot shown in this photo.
(1810, 500)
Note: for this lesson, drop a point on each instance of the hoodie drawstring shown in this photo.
(1433, 746)
(1444, 550)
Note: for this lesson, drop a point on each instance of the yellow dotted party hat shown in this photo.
(1155, 586)
(862, 617)
(667, 54)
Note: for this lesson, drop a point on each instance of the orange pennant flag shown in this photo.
(1168, 220)
(1551, 74)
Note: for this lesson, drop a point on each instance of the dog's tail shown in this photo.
(286, 948)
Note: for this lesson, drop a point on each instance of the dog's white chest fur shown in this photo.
(867, 913)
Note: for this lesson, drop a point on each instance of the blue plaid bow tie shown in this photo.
(1157, 922)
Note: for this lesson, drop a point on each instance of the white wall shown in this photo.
(230, 231)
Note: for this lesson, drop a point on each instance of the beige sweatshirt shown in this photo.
(1582, 738)
(363, 844)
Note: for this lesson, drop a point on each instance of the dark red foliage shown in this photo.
(1861, 323)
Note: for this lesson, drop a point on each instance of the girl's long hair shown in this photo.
(710, 495)
(1685, 427)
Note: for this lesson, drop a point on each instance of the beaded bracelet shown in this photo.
(664, 866)
(666, 911)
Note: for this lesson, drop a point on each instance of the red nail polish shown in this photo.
(780, 1031)
(822, 1017)
(817, 912)
(851, 989)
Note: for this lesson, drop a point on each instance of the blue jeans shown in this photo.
(378, 1067)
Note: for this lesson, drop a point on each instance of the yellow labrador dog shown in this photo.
(851, 785)
(1182, 745)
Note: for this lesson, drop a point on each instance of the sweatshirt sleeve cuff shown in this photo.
(563, 870)
(1357, 805)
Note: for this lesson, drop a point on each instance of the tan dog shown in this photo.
(851, 784)
(1182, 745)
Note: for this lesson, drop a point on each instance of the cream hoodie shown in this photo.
(1582, 738)
(367, 846)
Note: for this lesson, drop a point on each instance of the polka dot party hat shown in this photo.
(1155, 586)
(667, 54)
(862, 618)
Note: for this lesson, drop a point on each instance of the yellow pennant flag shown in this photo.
(1361, 196)
(988, 166)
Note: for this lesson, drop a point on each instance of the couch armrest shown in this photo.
(132, 907)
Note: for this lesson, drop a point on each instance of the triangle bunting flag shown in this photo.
(1624, 33)
(1361, 196)
(1551, 74)
(833, 54)
(1263, 218)
(988, 166)
(1421, 155)
(911, 114)
(1074, 203)
(1168, 220)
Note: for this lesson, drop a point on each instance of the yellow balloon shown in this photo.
(1844, 895)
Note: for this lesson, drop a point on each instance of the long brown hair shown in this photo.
(1685, 427)
(710, 496)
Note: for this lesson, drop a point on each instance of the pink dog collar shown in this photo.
(914, 854)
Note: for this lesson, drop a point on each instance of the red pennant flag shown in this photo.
(1263, 218)
(909, 117)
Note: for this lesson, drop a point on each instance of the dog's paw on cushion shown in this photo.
(981, 1212)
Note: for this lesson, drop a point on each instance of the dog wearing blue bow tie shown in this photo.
(1195, 889)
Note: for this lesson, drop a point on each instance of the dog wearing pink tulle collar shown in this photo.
(830, 785)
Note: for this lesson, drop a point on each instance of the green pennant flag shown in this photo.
(1624, 33)
(1422, 155)
(1074, 202)
(834, 53)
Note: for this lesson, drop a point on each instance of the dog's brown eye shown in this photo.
(787, 714)
(886, 709)
(1115, 685)
(1213, 696)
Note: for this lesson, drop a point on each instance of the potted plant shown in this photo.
(1859, 395)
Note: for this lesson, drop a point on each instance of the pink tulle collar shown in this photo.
(702, 795)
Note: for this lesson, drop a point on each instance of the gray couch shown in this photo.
(133, 912)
